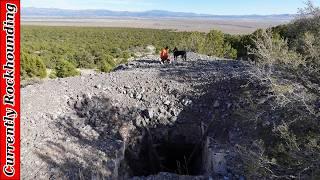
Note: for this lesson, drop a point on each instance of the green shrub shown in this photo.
(126, 55)
(218, 44)
(195, 42)
(271, 49)
(214, 44)
(116, 52)
(32, 66)
(240, 43)
(105, 67)
(53, 75)
(106, 63)
(101, 58)
(82, 47)
(84, 59)
(65, 69)
(282, 30)
(229, 52)
(311, 49)
(292, 54)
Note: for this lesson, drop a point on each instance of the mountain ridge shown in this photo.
(55, 12)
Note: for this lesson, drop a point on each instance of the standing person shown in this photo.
(164, 55)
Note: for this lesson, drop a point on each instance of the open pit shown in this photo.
(182, 149)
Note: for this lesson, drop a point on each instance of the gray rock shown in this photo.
(173, 112)
(173, 119)
(229, 105)
(150, 49)
(111, 164)
(139, 96)
(98, 86)
(106, 89)
(172, 104)
(85, 130)
(146, 121)
(140, 121)
(186, 102)
(216, 104)
(78, 105)
(162, 110)
(149, 113)
(167, 103)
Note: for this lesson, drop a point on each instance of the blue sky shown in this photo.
(218, 7)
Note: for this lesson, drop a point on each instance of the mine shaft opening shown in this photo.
(176, 158)
(175, 153)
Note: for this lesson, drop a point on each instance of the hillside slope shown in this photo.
(141, 119)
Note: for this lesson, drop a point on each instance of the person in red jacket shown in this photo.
(164, 55)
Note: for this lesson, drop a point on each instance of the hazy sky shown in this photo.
(219, 7)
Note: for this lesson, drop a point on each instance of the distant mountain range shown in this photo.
(51, 12)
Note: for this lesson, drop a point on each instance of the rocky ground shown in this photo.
(130, 122)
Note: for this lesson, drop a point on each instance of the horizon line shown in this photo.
(161, 10)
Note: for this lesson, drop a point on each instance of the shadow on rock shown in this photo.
(99, 139)
(224, 111)
(91, 140)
